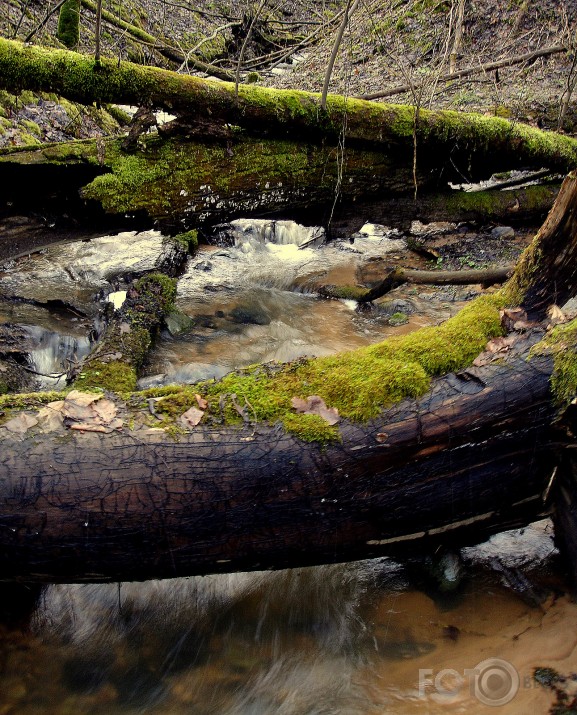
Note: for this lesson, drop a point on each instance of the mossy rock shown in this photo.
(397, 319)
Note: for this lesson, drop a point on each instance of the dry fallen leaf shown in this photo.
(105, 410)
(315, 405)
(21, 423)
(50, 417)
(190, 418)
(556, 315)
(202, 403)
(90, 412)
(510, 316)
(495, 348)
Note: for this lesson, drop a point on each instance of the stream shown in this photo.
(451, 633)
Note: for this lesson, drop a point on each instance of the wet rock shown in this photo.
(178, 322)
(203, 266)
(398, 306)
(149, 381)
(222, 234)
(249, 315)
(185, 375)
(436, 228)
(503, 232)
(73, 274)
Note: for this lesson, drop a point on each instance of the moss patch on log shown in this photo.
(561, 343)
(359, 383)
(483, 140)
(115, 362)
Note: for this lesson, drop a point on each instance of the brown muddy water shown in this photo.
(348, 639)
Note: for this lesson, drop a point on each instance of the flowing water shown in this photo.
(256, 300)
(348, 639)
(367, 638)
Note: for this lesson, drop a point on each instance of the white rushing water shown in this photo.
(256, 300)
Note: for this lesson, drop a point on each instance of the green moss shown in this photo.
(165, 178)
(359, 383)
(115, 376)
(32, 127)
(561, 342)
(188, 241)
(156, 296)
(68, 31)
(119, 115)
(398, 319)
(346, 292)
(311, 428)
(253, 78)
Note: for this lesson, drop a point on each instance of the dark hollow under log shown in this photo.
(138, 505)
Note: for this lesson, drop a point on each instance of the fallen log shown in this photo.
(468, 71)
(397, 276)
(114, 498)
(457, 144)
(136, 504)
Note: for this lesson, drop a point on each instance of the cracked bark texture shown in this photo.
(138, 505)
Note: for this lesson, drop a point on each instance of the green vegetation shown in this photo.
(115, 376)
(115, 362)
(359, 383)
(561, 343)
(188, 241)
(68, 31)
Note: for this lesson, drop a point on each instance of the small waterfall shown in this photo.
(51, 354)
(280, 233)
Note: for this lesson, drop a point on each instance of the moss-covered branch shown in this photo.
(114, 363)
(69, 24)
(475, 144)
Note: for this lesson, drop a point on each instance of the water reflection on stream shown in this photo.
(343, 639)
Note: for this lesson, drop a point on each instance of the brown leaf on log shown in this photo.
(511, 316)
(315, 405)
(190, 418)
(556, 315)
(89, 412)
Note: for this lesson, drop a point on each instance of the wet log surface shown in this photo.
(468, 459)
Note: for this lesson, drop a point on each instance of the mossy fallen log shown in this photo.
(452, 144)
(188, 182)
(398, 276)
(136, 503)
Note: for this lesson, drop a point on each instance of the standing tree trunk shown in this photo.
(69, 24)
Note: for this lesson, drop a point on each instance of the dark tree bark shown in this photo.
(138, 505)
